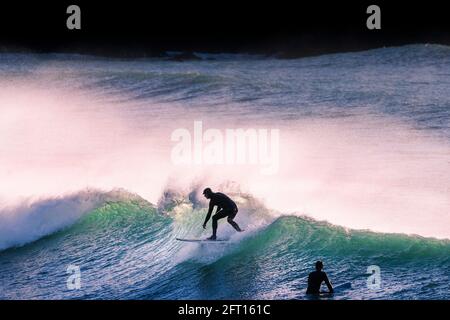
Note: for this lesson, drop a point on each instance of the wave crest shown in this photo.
(35, 218)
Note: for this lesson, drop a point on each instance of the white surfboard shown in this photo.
(203, 240)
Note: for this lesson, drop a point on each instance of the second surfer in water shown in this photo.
(316, 278)
(225, 208)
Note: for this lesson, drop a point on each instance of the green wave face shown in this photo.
(127, 250)
(275, 262)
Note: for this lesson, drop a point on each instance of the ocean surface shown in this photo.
(87, 181)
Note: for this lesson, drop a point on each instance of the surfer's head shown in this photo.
(319, 265)
(207, 193)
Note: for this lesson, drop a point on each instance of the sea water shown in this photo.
(363, 179)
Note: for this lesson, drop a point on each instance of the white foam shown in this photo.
(34, 218)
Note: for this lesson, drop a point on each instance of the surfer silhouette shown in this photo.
(316, 278)
(225, 208)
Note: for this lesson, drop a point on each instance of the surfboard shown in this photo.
(202, 240)
(338, 288)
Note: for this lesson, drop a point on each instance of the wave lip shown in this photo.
(34, 219)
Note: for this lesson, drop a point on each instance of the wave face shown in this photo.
(364, 144)
(127, 250)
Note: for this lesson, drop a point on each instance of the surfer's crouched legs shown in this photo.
(222, 214)
(234, 224)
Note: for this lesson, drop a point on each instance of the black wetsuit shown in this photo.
(315, 280)
(225, 208)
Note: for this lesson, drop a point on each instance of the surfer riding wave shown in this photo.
(225, 208)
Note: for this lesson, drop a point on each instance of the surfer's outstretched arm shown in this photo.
(208, 215)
